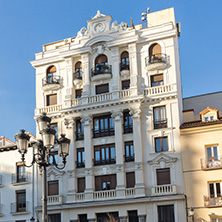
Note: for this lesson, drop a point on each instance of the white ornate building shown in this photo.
(116, 93)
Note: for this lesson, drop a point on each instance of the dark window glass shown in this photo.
(78, 71)
(157, 80)
(82, 218)
(107, 182)
(100, 89)
(161, 144)
(133, 216)
(166, 213)
(129, 151)
(104, 154)
(51, 74)
(81, 184)
(78, 93)
(130, 180)
(51, 99)
(159, 114)
(125, 84)
(163, 176)
(79, 130)
(53, 155)
(127, 123)
(21, 175)
(55, 127)
(80, 157)
(54, 217)
(124, 64)
(103, 126)
(20, 201)
(53, 188)
(105, 217)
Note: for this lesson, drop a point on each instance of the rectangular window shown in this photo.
(80, 158)
(78, 93)
(212, 153)
(163, 176)
(161, 144)
(157, 80)
(130, 180)
(82, 218)
(53, 188)
(215, 189)
(54, 156)
(129, 151)
(20, 201)
(54, 217)
(55, 127)
(166, 213)
(21, 175)
(103, 126)
(104, 88)
(125, 84)
(127, 123)
(133, 216)
(51, 99)
(81, 184)
(104, 154)
(79, 130)
(107, 182)
(106, 217)
(160, 120)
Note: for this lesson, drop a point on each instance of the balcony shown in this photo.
(127, 129)
(101, 72)
(20, 208)
(103, 132)
(124, 70)
(161, 190)
(104, 162)
(212, 201)
(77, 78)
(129, 158)
(48, 109)
(212, 163)
(51, 83)
(130, 192)
(17, 179)
(106, 194)
(156, 61)
(80, 164)
(55, 199)
(160, 124)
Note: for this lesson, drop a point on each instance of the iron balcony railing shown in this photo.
(129, 158)
(18, 178)
(160, 124)
(79, 136)
(156, 58)
(20, 207)
(101, 69)
(124, 66)
(104, 162)
(211, 163)
(51, 80)
(77, 74)
(127, 128)
(80, 164)
(212, 201)
(103, 132)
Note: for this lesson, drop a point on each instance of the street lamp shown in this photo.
(191, 213)
(42, 156)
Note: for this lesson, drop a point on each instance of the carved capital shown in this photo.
(117, 115)
(86, 120)
(135, 113)
(69, 123)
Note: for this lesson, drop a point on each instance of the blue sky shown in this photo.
(26, 25)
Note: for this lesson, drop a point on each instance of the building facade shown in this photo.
(16, 196)
(201, 144)
(115, 91)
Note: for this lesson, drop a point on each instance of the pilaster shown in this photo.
(86, 75)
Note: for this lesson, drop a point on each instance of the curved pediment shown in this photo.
(98, 39)
(54, 173)
(162, 158)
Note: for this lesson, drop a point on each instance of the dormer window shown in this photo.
(209, 114)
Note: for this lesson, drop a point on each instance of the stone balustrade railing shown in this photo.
(106, 194)
(130, 192)
(55, 199)
(164, 190)
(158, 90)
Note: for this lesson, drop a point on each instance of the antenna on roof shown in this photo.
(131, 23)
(144, 15)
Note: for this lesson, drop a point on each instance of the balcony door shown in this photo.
(215, 189)
(212, 153)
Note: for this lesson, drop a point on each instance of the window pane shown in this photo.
(209, 154)
(215, 153)
(218, 190)
(131, 150)
(113, 154)
(107, 153)
(211, 189)
(158, 145)
(165, 144)
(156, 114)
(163, 113)
(97, 155)
(103, 153)
(127, 150)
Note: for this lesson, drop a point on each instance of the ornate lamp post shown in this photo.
(42, 156)
(191, 212)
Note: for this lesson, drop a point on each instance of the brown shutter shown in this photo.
(104, 88)
(113, 182)
(78, 65)
(156, 49)
(163, 176)
(98, 183)
(130, 179)
(51, 99)
(125, 84)
(78, 93)
(81, 185)
(157, 78)
(125, 54)
(101, 59)
(51, 69)
(53, 188)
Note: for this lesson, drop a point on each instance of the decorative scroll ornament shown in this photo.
(69, 123)
(117, 116)
(118, 27)
(83, 32)
(135, 113)
(86, 120)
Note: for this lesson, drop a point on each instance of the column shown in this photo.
(70, 133)
(137, 142)
(119, 146)
(133, 69)
(86, 78)
(87, 123)
(115, 72)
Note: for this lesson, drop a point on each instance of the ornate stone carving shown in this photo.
(117, 115)
(82, 32)
(135, 113)
(69, 123)
(99, 27)
(116, 28)
(86, 120)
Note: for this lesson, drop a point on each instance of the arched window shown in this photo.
(78, 70)
(101, 61)
(124, 65)
(51, 74)
(155, 50)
